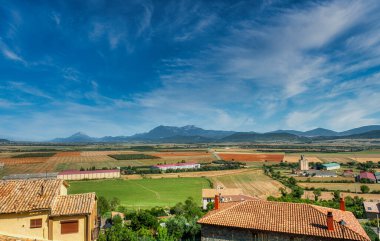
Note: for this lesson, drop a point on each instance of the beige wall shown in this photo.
(89, 176)
(19, 225)
(56, 229)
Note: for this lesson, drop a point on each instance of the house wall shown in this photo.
(106, 175)
(217, 233)
(19, 225)
(56, 229)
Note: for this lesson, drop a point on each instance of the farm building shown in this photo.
(188, 165)
(330, 166)
(47, 175)
(377, 176)
(366, 177)
(319, 173)
(372, 209)
(348, 173)
(96, 174)
(42, 210)
(267, 220)
(303, 163)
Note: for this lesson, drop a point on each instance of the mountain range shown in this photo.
(193, 134)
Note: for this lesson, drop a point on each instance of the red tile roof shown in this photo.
(28, 195)
(70, 172)
(367, 175)
(76, 204)
(291, 218)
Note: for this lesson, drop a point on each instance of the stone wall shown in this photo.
(217, 233)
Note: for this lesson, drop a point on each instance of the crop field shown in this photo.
(68, 154)
(180, 154)
(24, 160)
(134, 156)
(295, 158)
(329, 196)
(251, 157)
(353, 187)
(252, 182)
(145, 193)
(104, 153)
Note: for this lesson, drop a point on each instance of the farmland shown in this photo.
(145, 193)
(352, 187)
(252, 182)
(250, 157)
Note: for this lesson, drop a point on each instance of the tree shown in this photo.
(163, 235)
(114, 203)
(210, 206)
(283, 191)
(364, 189)
(117, 220)
(297, 192)
(143, 219)
(292, 181)
(317, 193)
(336, 195)
(103, 206)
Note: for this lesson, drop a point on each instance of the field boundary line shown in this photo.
(155, 193)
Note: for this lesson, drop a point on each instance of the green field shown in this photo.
(145, 193)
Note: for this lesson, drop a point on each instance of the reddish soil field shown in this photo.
(67, 153)
(251, 157)
(190, 153)
(29, 160)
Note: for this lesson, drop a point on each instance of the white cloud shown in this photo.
(9, 54)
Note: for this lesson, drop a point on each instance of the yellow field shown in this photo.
(252, 182)
(353, 187)
(329, 196)
(366, 159)
(295, 158)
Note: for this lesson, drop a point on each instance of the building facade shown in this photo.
(177, 166)
(95, 174)
(42, 210)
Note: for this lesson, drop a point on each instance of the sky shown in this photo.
(110, 67)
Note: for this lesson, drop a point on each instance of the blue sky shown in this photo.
(122, 67)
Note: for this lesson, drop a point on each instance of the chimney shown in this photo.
(216, 202)
(330, 221)
(342, 205)
(42, 190)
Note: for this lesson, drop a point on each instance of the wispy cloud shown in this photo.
(9, 54)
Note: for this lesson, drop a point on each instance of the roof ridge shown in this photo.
(232, 206)
(343, 226)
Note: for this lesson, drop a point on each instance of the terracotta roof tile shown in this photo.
(292, 218)
(76, 204)
(28, 195)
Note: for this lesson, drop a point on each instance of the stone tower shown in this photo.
(304, 163)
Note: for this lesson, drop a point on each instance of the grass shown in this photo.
(132, 156)
(145, 193)
(27, 155)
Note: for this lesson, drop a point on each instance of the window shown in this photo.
(36, 223)
(70, 226)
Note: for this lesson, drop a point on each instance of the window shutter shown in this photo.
(36, 223)
(70, 226)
